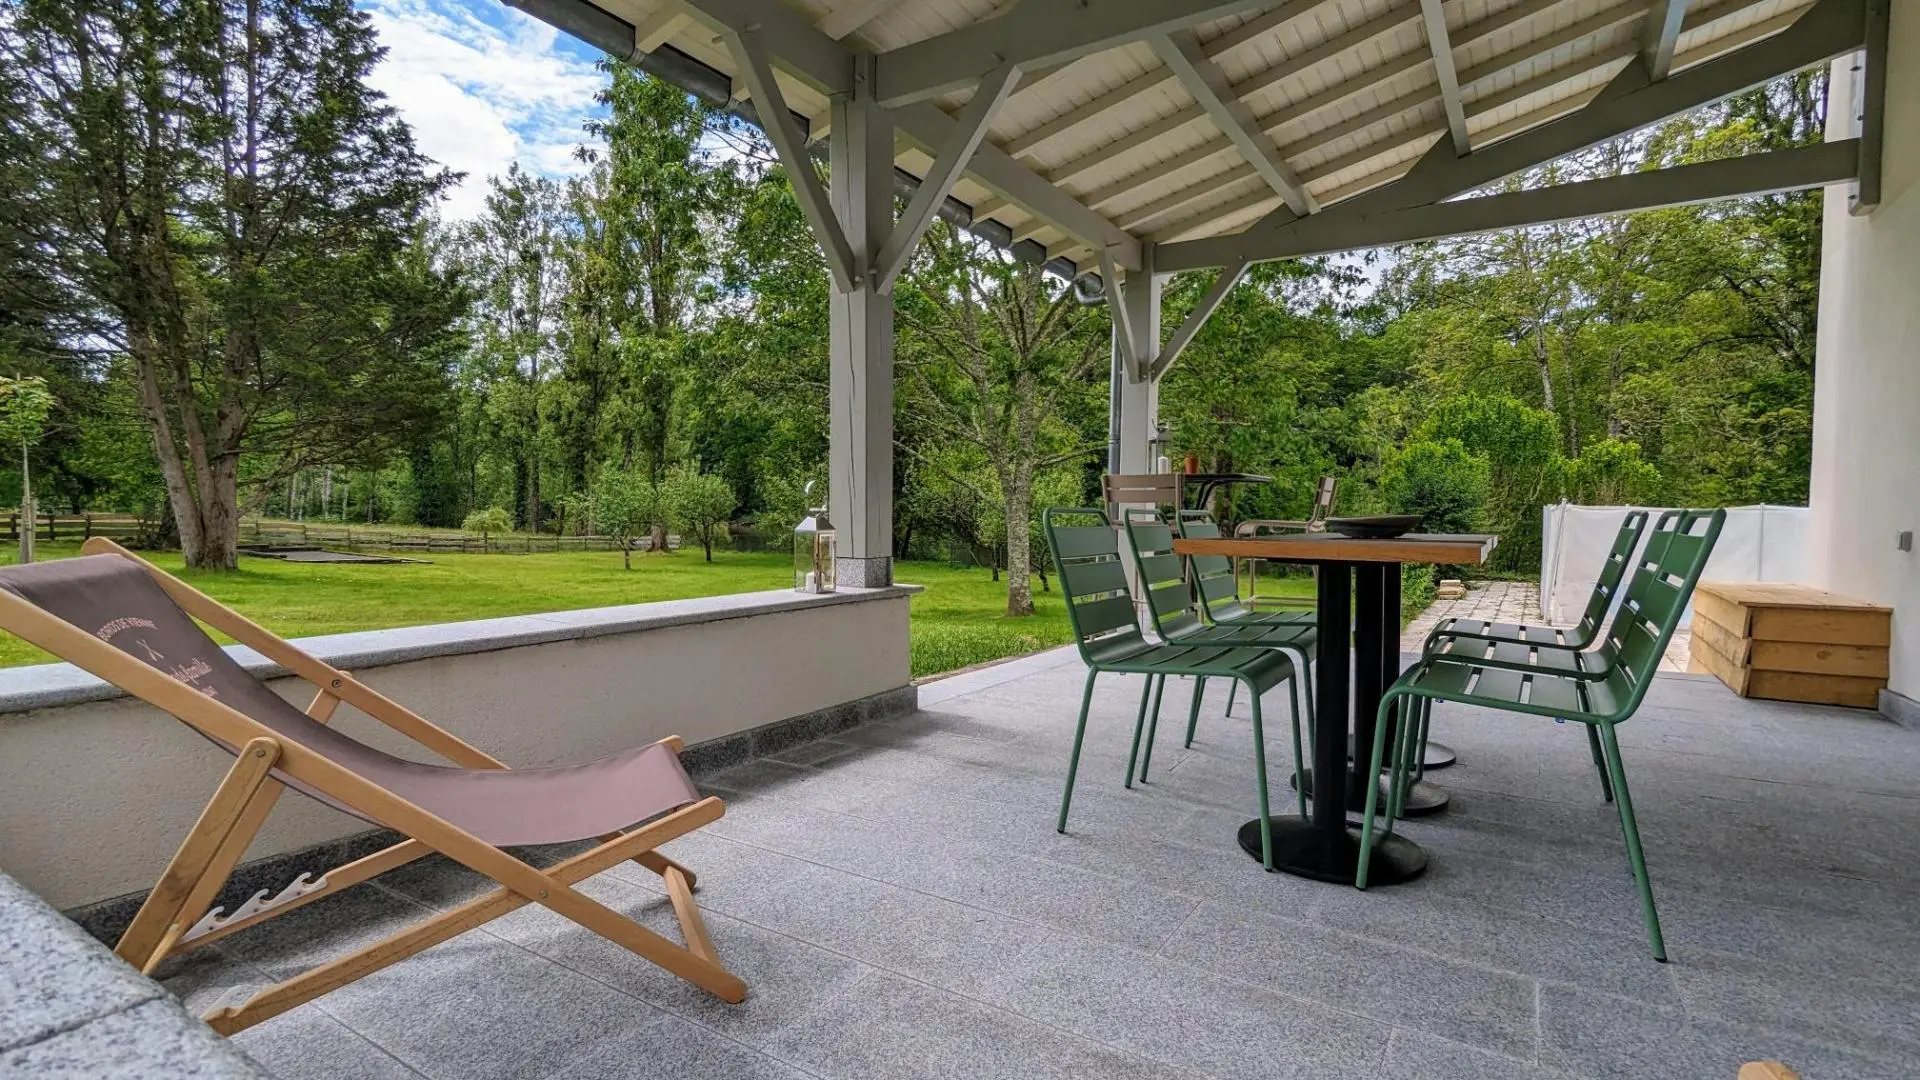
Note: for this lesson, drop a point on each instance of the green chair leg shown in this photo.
(1232, 688)
(1424, 710)
(1306, 678)
(1299, 790)
(1260, 767)
(1140, 727)
(1412, 747)
(1193, 712)
(1153, 729)
(1632, 830)
(1079, 735)
(1373, 797)
(1599, 761)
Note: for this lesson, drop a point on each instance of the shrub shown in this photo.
(486, 522)
(1440, 481)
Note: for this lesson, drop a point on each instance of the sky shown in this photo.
(484, 85)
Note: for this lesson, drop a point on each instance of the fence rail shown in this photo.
(284, 534)
(292, 534)
(79, 526)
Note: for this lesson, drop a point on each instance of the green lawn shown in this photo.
(957, 622)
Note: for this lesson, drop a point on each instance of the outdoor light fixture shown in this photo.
(813, 550)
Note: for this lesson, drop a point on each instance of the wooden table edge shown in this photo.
(1471, 549)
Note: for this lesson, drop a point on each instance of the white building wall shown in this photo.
(1866, 420)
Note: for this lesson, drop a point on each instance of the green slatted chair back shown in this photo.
(1086, 554)
(1663, 579)
(1213, 576)
(1170, 602)
(1619, 559)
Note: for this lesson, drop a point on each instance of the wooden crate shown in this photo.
(1791, 642)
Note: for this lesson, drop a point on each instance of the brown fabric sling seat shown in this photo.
(134, 625)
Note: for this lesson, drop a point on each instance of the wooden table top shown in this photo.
(1450, 549)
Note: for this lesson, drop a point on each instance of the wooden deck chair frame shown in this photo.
(173, 918)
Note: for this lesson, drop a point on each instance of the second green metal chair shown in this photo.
(1093, 582)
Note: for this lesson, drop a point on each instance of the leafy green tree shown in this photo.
(1521, 446)
(513, 254)
(994, 356)
(626, 505)
(1442, 482)
(700, 504)
(24, 405)
(1610, 472)
(486, 522)
(217, 196)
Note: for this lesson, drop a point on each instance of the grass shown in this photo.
(958, 621)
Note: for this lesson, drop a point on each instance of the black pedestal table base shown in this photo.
(1423, 799)
(1300, 848)
(1436, 757)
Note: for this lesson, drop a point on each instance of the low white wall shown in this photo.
(96, 794)
(1758, 543)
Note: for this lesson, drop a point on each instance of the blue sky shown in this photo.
(484, 85)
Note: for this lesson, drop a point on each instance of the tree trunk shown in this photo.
(1019, 544)
(657, 539)
(626, 552)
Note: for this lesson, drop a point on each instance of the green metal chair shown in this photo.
(1176, 617)
(1449, 632)
(1094, 585)
(1631, 649)
(1218, 587)
(1527, 647)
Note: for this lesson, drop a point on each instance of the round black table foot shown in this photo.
(1436, 757)
(1333, 855)
(1423, 800)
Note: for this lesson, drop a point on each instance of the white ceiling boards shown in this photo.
(1234, 132)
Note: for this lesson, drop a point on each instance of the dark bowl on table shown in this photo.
(1381, 527)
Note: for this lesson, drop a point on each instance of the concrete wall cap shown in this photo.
(45, 686)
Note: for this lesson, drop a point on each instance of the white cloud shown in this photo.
(484, 85)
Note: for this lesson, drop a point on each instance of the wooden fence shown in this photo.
(79, 526)
(299, 534)
(291, 534)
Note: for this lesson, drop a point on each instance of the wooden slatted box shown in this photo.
(1791, 642)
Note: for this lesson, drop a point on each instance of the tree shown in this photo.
(1440, 481)
(996, 355)
(24, 405)
(1521, 447)
(625, 505)
(486, 522)
(513, 253)
(219, 196)
(701, 504)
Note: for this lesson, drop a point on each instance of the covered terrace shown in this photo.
(888, 880)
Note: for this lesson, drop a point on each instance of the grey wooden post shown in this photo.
(860, 350)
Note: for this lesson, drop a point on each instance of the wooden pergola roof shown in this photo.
(1176, 134)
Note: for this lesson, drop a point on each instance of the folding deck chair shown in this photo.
(132, 624)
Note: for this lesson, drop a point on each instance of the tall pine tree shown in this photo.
(226, 205)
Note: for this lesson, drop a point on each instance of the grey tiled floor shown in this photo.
(902, 908)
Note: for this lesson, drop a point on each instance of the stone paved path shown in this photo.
(1510, 601)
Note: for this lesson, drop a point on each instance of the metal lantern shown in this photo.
(813, 551)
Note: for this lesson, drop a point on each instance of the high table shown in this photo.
(1359, 597)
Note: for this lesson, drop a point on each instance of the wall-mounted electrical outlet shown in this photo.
(1903, 540)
